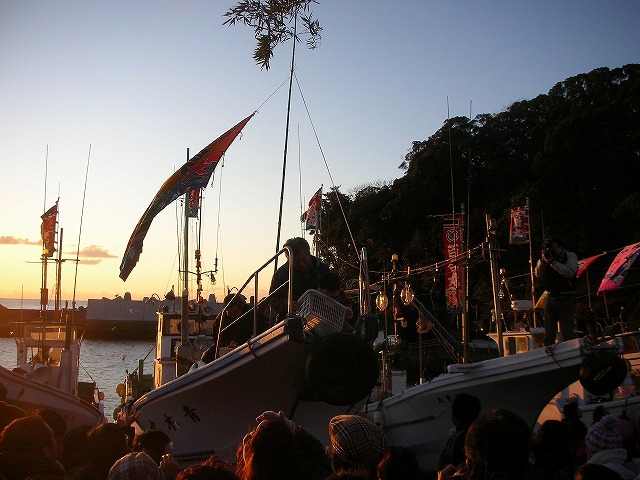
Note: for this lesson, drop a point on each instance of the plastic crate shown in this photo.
(321, 313)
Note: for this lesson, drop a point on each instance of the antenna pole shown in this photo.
(286, 139)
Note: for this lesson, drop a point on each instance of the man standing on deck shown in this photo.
(307, 271)
(557, 270)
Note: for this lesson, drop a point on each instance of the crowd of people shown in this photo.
(38, 446)
(497, 445)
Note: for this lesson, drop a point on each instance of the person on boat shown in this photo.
(307, 270)
(329, 285)
(556, 270)
(234, 334)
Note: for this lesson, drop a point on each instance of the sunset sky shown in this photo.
(126, 87)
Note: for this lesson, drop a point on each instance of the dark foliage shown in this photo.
(574, 153)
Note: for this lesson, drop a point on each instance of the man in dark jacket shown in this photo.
(557, 269)
(307, 271)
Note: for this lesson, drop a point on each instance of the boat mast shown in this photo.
(184, 324)
(286, 140)
(184, 351)
(531, 272)
(492, 246)
(463, 264)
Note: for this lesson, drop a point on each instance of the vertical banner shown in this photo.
(48, 231)
(194, 203)
(452, 274)
(519, 226)
(312, 217)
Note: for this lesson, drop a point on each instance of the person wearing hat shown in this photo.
(356, 444)
(135, 466)
(604, 445)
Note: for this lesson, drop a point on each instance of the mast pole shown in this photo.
(463, 265)
(286, 139)
(56, 307)
(492, 246)
(533, 280)
(184, 324)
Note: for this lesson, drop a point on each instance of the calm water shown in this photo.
(104, 361)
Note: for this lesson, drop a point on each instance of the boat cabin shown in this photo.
(169, 338)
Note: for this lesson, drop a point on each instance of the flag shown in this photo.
(452, 273)
(586, 263)
(519, 226)
(193, 174)
(194, 203)
(312, 217)
(48, 231)
(619, 267)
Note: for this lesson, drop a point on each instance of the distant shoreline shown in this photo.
(34, 303)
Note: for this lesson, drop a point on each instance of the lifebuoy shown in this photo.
(341, 370)
(602, 372)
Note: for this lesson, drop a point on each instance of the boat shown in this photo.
(419, 417)
(522, 379)
(623, 401)
(303, 365)
(48, 356)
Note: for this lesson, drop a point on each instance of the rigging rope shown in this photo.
(353, 242)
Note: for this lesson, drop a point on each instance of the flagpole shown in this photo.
(533, 286)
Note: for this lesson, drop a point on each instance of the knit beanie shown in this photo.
(603, 435)
(356, 440)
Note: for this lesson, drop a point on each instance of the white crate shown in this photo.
(321, 313)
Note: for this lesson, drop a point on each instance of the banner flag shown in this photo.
(619, 267)
(193, 174)
(452, 273)
(519, 226)
(586, 263)
(48, 231)
(194, 203)
(312, 217)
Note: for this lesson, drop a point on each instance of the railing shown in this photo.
(255, 277)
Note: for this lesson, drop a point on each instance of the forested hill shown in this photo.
(574, 152)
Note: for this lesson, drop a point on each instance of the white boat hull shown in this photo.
(420, 417)
(30, 394)
(211, 408)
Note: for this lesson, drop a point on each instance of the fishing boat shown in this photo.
(48, 355)
(622, 401)
(522, 379)
(303, 365)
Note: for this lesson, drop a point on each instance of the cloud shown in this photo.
(93, 261)
(93, 251)
(8, 240)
